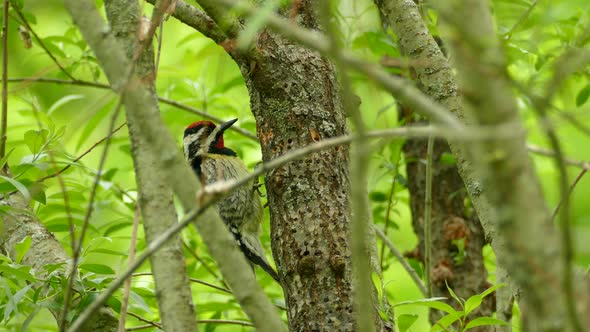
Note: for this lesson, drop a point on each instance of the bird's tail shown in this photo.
(252, 249)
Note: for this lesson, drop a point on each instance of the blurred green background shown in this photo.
(63, 121)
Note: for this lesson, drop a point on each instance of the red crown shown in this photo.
(201, 123)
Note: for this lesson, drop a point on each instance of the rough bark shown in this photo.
(173, 290)
(20, 222)
(294, 97)
(453, 225)
(451, 221)
(530, 248)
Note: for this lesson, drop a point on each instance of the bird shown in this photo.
(241, 210)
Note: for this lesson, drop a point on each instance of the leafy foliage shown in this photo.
(52, 124)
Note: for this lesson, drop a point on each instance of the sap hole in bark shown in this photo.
(306, 266)
(337, 264)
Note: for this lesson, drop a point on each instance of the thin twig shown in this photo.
(203, 263)
(65, 168)
(521, 20)
(428, 217)
(159, 51)
(167, 101)
(4, 120)
(138, 317)
(388, 210)
(198, 281)
(413, 274)
(549, 153)
(224, 321)
(41, 43)
(571, 189)
(127, 287)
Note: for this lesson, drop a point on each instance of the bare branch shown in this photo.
(167, 101)
(197, 20)
(4, 116)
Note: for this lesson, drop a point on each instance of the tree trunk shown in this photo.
(173, 290)
(453, 224)
(294, 97)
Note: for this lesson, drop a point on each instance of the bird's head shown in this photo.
(204, 137)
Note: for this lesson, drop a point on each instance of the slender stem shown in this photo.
(82, 155)
(167, 101)
(413, 274)
(571, 189)
(127, 287)
(4, 120)
(388, 212)
(198, 281)
(428, 217)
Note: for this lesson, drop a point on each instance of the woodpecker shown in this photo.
(241, 210)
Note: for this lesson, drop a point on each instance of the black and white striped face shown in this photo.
(203, 137)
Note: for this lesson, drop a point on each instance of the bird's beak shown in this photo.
(225, 125)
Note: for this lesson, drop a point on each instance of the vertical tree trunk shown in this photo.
(453, 224)
(294, 97)
(457, 236)
(295, 100)
(155, 195)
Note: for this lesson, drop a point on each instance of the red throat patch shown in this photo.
(219, 143)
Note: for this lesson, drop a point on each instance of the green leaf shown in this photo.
(114, 304)
(223, 88)
(17, 272)
(97, 268)
(377, 196)
(58, 225)
(12, 304)
(484, 321)
(116, 227)
(35, 139)
(63, 101)
(404, 322)
(434, 302)
(378, 42)
(491, 290)
(53, 47)
(139, 301)
(5, 158)
(109, 252)
(211, 327)
(446, 321)
(454, 295)
(37, 192)
(472, 303)
(18, 186)
(447, 158)
(583, 95)
(22, 247)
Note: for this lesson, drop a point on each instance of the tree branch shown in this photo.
(197, 20)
